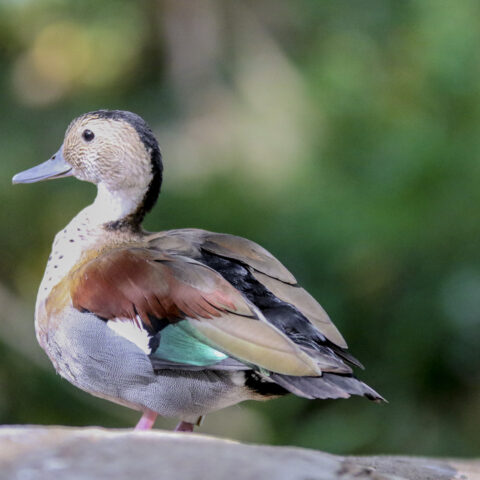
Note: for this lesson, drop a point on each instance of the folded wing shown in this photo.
(154, 289)
(265, 268)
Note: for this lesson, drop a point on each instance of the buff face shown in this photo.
(104, 151)
(100, 151)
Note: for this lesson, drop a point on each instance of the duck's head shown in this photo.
(117, 151)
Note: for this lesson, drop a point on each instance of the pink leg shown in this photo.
(147, 420)
(184, 427)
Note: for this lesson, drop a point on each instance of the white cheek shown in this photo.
(131, 331)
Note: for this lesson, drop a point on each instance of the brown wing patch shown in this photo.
(127, 282)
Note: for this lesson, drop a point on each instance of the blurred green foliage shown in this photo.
(343, 136)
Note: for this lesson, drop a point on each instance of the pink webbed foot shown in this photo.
(184, 427)
(147, 421)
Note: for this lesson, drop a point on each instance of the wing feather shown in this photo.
(248, 252)
(308, 306)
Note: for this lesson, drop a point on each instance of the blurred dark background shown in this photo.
(343, 136)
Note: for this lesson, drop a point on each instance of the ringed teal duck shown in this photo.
(178, 323)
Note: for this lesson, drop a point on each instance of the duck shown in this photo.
(177, 323)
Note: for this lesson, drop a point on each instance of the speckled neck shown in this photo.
(86, 232)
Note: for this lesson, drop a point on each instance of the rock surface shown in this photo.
(41, 453)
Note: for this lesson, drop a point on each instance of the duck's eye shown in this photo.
(88, 135)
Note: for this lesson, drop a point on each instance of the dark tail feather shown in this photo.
(348, 357)
(329, 385)
(344, 355)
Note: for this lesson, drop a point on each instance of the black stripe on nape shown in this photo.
(151, 145)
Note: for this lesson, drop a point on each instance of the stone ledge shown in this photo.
(44, 453)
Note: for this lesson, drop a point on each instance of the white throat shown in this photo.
(112, 206)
